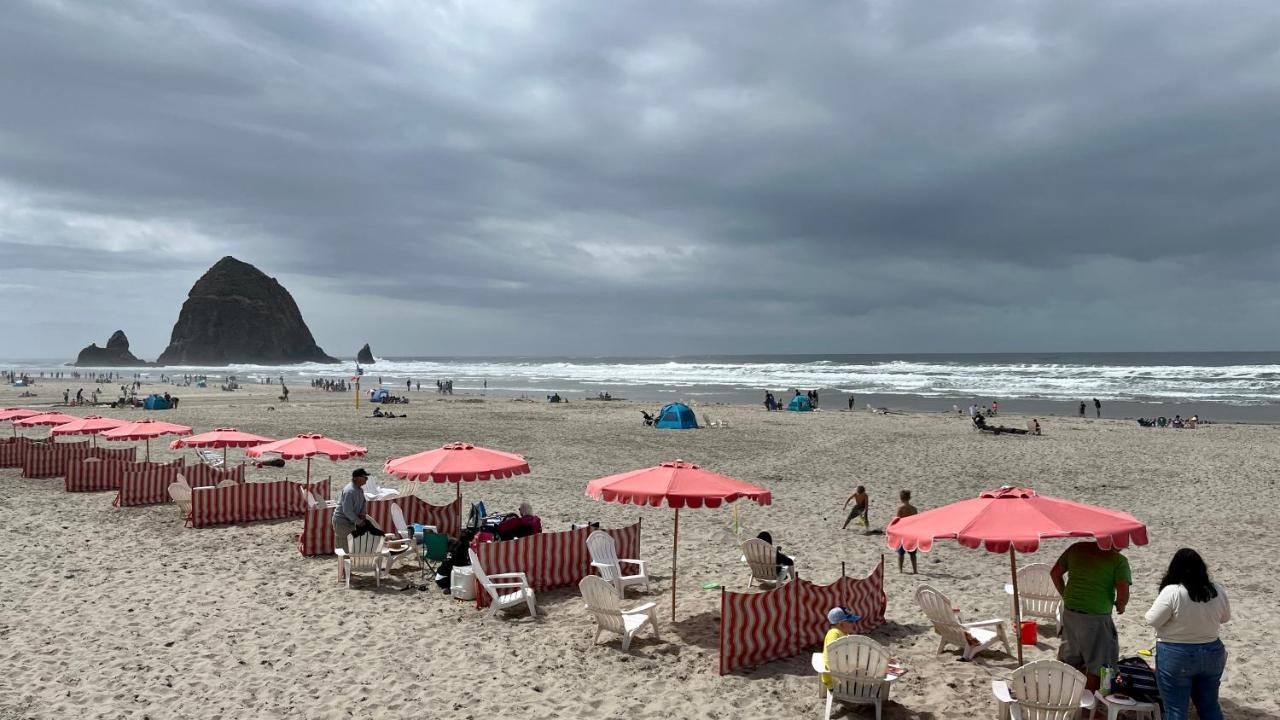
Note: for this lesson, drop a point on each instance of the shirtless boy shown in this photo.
(861, 506)
(906, 509)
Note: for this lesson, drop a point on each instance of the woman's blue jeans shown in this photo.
(1190, 673)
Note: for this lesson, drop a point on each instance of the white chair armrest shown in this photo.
(1087, 701)
(982, 623)
(1000, 689)
(644, 607)
(499, 586)
(600, 565)
(520, 575)
(340, 552)
(639, 563)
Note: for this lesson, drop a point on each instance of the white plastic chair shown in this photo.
(367, 553)
(522, 595)
(1042, 690)
(602, 603)
(971, 637)
(604, 558)
(308, 499)
(402, 538)
(762, 559)
(209, 457)
(1037, 594)
(858, 671)
(180, 491)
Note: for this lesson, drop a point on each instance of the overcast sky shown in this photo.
(650, 177)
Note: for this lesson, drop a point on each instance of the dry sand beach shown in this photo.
(125, 613)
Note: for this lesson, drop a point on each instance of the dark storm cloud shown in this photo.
(614, 177)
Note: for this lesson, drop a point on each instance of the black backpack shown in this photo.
(1135, 678)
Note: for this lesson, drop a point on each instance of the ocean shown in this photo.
(1237, 386)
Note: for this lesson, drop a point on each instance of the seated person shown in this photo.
(781, 560)
(842, 623)
(522, 525)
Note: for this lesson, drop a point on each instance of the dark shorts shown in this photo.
(902, 552)
(1088, 641)
(856, 511)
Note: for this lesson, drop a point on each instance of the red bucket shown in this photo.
(1027, 635)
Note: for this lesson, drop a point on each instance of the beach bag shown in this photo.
(1135, 678)
(476, 516)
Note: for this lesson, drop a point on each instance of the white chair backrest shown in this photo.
(762, 557)
(181, 494)
(397, 519)
(307, 498)
(479, 573)
(371, 486)
(1036, 591)
(603, 550)
(182, 480)
(857, 665)
(937, 607)
(1047, 690)
(602, 603)
(366, 551)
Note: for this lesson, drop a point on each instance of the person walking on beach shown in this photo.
(66, 396)
(1097, 407)
(850, 402)
(861, 508)
(1095, 581)
(1081, 408)
(1186, 616)
(995, 408)
(906, 509)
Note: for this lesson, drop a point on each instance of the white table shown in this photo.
(1114, 709)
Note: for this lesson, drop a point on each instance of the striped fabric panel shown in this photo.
(248, 502)
(758, 627)
(317, 538)
(49, 459)
(103, 470)
(12, 450)
(147, 483)
(202, 475)
(549, 559)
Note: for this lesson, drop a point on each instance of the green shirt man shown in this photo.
(1091, 581)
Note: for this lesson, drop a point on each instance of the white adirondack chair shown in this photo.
(521, 595)
(1042, 690)
(762, 559)
(971, 637)
(858, 673)
(1037, 594)
(367, 554)
(604, 559)
(180, 491)
(603, 604)
(209, 457)
(401, 538)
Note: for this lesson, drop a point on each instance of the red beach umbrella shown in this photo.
(457, 463)
(677, 484)
(308, 445)
(91, 425)
(11, 414)
(1014, 518)
(221, 438)
(45, 419)
(145, 430)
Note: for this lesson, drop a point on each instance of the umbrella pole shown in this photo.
(148, 449)
(675, 545)
(308, 472)
(224, 456)
(458, 486)
(1017, 604)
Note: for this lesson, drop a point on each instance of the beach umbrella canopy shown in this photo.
(91, 425)
(45, 419)
(457, 463)
(308, 445)
(221, 438)
(11, 414)
(676, 484)
(145, 430)
(1015, 519)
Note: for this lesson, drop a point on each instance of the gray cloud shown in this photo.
(627, 178)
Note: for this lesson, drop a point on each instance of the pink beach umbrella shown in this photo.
(1014, 518)
(222, 438)
(676, 484)
(145, 430)
(43, 419)
(308, 445)
(92, 425)
(10, 414)
(457, 463)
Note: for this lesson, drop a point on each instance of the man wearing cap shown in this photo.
(349, 517)
(842, 623)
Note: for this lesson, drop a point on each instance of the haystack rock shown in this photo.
(115, 354)
(365, 356)
(236, 314)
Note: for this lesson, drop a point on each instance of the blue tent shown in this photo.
(155, 402)
(676, 416)
(800, 403)
(379, 395)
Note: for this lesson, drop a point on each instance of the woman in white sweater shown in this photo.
(1189, 656)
